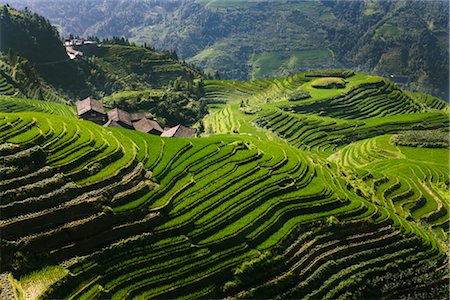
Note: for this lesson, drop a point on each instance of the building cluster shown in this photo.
(75, 47)
(92, 110)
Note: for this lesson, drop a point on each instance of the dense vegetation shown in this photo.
(170, 106)
(296, 205)
(422, 138)
(19, 78)
(30, 35)
(259, 39)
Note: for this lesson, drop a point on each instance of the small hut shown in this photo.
(148, 126)
(179, 131)
(119, 118)
(91, 110)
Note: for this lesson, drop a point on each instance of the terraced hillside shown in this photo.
(6, 88)
(21, 80)
(368, 106)
(90, 212)
(34, 64)
(12, 104)
(139, 67)
(412, 181)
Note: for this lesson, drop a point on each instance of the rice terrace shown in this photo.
(325, 184)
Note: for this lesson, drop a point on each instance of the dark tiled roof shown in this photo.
(179, 131)
(146, 125)
(141, 115)
(88, 104)
(119, 115)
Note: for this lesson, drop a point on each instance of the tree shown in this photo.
(5, 13)
(11, 56)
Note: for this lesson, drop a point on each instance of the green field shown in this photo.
(12, 104)
(298, 199)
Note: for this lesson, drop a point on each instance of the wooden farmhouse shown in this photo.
(179, 131)
(119, 118)
(148, 126)
(91, 110)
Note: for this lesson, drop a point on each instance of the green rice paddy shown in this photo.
(302, 199)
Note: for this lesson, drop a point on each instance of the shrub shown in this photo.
(250, 110)
(257, 267)
(298, 95)
(328, 83)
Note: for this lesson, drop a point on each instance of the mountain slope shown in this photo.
(30, 35)
(95, 212)
(258, 39)
(34, 64)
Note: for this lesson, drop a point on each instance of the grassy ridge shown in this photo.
(268, 64)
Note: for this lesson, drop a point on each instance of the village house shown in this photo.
(91, 110)
(179, 131)
(119, 118)
(148, 126)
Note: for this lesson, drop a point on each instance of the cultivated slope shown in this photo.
(92, 212)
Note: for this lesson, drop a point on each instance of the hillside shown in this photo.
(34, 37)
(34, 64)
(19, 78)
(246, 40)
(294, 191)
(113, 68)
